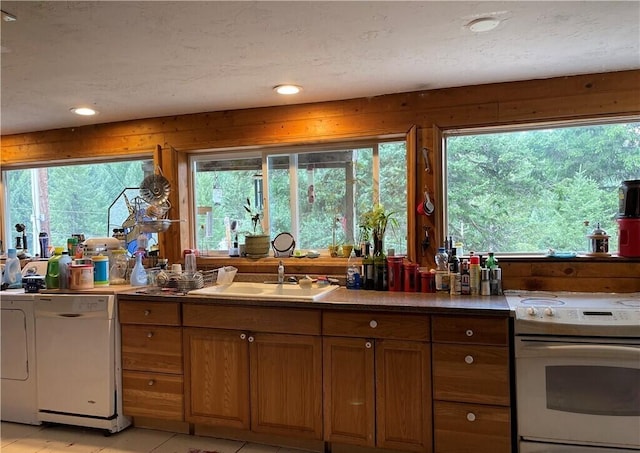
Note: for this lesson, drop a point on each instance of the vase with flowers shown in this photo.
(256, 243)
(377, 220)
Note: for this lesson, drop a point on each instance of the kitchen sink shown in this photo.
(253, 290)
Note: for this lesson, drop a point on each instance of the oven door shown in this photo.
(578, 391)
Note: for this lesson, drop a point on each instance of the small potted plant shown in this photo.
(376, 221)
(256, 244)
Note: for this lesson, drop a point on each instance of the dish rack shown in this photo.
(185, 282)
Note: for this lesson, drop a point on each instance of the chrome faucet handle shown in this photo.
(280, 272)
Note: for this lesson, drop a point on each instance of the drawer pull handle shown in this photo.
(471, 417)
(251, 339)
(469, 359)
(373, 323)
(147, 312)
(368, 345)
(151, 382)
(150, 334)
(469, 333)
(243, 336)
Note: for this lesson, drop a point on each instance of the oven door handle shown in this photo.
(618, 352)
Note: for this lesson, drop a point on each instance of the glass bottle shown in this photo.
(492, 261)
(367, 273)
(138, 273)
(380, 271)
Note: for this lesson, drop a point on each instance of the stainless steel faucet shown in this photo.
(280, 272)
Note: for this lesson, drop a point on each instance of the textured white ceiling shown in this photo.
(140, 59)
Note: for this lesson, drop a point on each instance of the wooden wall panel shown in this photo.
(561, 98)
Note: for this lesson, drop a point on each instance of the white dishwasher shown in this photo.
(78, 355)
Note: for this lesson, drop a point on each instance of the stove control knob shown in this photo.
(549, 311)
(532, 311)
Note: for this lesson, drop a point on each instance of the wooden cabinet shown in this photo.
(471, 384)
(377, 380)
(152, 359)
(253, 368)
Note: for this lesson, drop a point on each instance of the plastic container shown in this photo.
(629, 237)
(442, 260)
(411, 277)
(52, 278)
(474, 276)
(64, 272)
(427, 281)
(394, 272)
(138, 273)
(353, 272)
(12, 276)
(81, 276)
(100, 270)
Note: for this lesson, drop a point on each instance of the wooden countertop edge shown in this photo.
(343, 299)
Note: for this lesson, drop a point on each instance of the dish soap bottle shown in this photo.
(52, 279)
(12, 274)
(138, 273)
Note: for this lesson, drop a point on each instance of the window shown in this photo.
(316, 194)
(526, 191)
(71, 199)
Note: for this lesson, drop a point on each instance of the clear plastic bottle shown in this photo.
(138, 273)
(442, 260)
(63, 270)
(12, 276)
(353, 273)
(442, 270)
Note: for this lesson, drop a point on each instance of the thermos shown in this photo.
(44, 244)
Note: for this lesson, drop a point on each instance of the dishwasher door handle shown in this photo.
(70, 315)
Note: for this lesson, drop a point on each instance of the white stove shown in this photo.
(575, 313)
(577, 361)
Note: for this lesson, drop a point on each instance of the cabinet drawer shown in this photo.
(468, 329)
(269, 320)
(471, 373)
(167, 313)
(153, 395)
(376, 325)
(152, 348)
(461, 428)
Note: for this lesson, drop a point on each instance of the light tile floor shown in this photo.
(18, 438)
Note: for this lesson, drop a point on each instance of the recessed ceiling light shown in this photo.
(287, 89)
(483, 24)
(84, 111)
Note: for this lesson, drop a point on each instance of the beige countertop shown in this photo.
(345, 299)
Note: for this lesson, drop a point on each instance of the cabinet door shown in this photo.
(286, 384)
(349, 406)
(216, 377)
(403, 395)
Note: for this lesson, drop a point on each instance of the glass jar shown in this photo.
(119, 265)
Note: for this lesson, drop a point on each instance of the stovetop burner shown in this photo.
(635, 303)
(541, 301)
